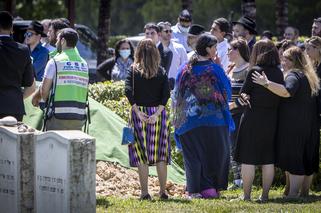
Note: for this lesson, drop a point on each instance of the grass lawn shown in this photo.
(224, 204)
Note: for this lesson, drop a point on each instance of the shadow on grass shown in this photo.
(103, 202)
(301, 200)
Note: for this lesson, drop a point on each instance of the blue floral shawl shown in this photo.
(200, 98)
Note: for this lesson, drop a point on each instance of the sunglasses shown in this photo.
(167, 31)
(184, 20)
(28, 34)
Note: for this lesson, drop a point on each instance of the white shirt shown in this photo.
(50, 70)
(179, 58)
(49, 47)
(222, 49)
(180, 37)
(190, 54)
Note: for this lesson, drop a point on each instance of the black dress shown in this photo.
(256, 135)
(298, 131)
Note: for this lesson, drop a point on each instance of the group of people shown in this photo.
(271, 120)
(49, 56)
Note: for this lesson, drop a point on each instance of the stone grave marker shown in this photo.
(65, 172)
(16, 170)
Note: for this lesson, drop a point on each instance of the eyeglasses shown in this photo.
(167, 31)
(28, 34)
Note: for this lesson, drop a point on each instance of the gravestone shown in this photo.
(65, 172)
(47, 172)
(16, 171)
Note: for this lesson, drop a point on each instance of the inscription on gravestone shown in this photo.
(51, 163)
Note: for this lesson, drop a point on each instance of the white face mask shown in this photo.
(183, 29)
(124, 53)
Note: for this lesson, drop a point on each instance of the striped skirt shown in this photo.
(152, 141)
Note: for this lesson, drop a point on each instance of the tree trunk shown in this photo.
(187, 5)
(10, 6)
(249, 9)
(281, 13)
(71, 12)
(103, 30)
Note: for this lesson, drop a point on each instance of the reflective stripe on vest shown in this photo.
(71, 86)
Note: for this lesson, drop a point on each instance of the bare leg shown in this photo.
(143, 179)
(162, 176)
(287, 184)
(248, 172)
(295, 184)
(267, 179)
(306, 185)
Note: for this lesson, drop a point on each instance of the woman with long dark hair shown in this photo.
(239, 56)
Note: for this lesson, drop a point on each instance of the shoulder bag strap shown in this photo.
(49, 109)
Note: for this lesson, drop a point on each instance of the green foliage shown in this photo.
(39, 9)
(113, 40)
(129, 17)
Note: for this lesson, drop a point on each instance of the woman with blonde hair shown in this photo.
(147, 90)
(313, 49)
(298, 131)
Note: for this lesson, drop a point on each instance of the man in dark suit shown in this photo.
(16, 71)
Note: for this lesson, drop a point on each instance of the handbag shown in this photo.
(128, 136)
(128, 131)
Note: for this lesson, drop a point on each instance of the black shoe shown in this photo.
(163, 196)
(145, 197)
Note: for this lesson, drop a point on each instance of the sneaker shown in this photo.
(233, 187)
(262, 199)
(194, 196)
(241, 198)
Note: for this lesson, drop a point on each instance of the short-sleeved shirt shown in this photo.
(50, 70)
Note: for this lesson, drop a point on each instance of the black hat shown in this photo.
(247, 23)
(267, 34)
(37, 27)
(185, 15)
(223, 24)
(196, 29)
